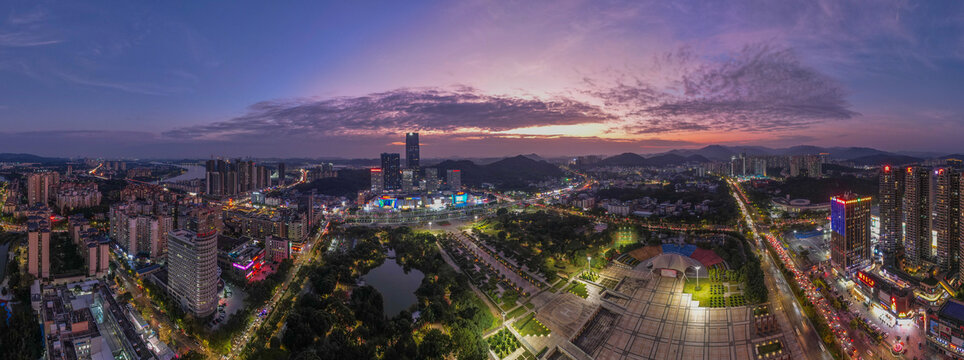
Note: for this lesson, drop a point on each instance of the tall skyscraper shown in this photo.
(38, 242)
(378, 181)
(891, 213)
(916, 213)
(947, 207)
(411, 151)
(849, 230)
(193, 270)
(453, 178)
(960, 220)
(391, 170)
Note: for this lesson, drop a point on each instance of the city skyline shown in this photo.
(343, 80)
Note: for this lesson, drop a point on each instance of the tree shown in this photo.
(435, 345)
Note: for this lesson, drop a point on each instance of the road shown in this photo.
(306, 258)
(778, 287)
(182, 342)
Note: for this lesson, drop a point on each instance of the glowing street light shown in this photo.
(698, 276)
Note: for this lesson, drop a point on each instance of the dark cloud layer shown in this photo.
(398, 110)
(761, 88)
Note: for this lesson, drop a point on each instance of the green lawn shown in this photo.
(579, 289)
(519, 310)
(702, 296)
(558, 285)
(530, 326)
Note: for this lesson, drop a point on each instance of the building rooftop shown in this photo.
(953, 309)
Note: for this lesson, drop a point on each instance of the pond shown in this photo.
(396, 286)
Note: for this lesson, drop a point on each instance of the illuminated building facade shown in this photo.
(885, 294)
(916, 214)
(891, 214)
(944, 328)
(378, 181)
(193, 272)
(849, 230)
(947, 208)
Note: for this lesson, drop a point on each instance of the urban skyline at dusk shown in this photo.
(478, 78)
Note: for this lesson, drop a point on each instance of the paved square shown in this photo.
(648, 317)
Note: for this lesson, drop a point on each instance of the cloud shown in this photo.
(25, 39)
(424, 109)
(760, 88)
(159, 88)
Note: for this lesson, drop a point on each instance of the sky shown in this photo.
(476, 78)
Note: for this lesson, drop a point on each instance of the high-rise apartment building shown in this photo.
(193, 270)
(916, 216)
(411, 151)
(38, 242)
(947, 208)
(891, 213)
(98, 256)
(849, 230)
(391, 170)
(40, 186)
(378, 181)
(453, 179)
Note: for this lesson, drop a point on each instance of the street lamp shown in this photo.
(698, 277)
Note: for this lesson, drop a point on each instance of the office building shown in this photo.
(377, 180)
(916, 213)
(408, 180)
(849, 231)
(891, 213)
(391, 170)
(453, 179)
(411, 151)
(431, 180)
(947, 211)
(193, 273)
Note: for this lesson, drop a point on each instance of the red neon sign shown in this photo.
(866, 279)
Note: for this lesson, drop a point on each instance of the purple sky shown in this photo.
(477, 78)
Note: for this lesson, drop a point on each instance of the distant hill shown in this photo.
(882, 159)
(509, 173)
(723, 152)
(668, 159)
(624, 159)
(27, 158)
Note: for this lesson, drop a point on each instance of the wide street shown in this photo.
(306, 258)
(779, 288)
